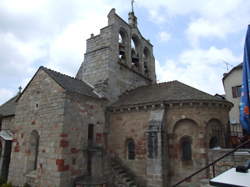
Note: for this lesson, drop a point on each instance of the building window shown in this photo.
(90, 134)
(152, 145)
(34, 147)
(146, 60)
(236, 91)
(90, 144)
(186, 148)
(213, 142)
(135, 45)
(130, 149)
(122, 45)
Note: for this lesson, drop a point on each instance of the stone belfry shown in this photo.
(118, 59)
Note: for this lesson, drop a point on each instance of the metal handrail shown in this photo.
(212, 163)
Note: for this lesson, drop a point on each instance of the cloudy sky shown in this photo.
(193, 39)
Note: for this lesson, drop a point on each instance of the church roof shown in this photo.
(173, 91)
(8, 108)
(71, 84)
(68, 83)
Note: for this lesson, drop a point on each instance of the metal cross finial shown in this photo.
(132, 5)
(20, 89)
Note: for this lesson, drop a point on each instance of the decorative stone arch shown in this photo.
(130, 149)
(215, 133)
(34, 150)
(135, 51)
(181, 129)
(146, 58)
(185, 123)
(123, 36)
(123, 44)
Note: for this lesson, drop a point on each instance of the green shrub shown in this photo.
(7, 185)
(2, 181)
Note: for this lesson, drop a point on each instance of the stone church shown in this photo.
(112, 125)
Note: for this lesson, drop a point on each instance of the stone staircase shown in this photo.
(122, 177)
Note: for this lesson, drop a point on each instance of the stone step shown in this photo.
(123, 175)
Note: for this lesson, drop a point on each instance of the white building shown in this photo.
(232, 85)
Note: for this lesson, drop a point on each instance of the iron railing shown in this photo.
(212, 164)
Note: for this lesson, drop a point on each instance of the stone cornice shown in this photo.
(170, 104)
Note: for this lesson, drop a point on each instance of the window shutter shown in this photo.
(234, 92)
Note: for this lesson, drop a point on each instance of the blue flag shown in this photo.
(244, 102)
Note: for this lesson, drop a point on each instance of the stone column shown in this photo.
(155, 153)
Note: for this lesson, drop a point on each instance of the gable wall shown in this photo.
(40, 108)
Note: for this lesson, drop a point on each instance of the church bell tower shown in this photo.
(118, 59)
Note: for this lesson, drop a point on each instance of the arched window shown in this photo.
(34, 147)
(130, 149)
(135, 51)
(215, 133)
(146, 60)
(186, 148)
(213, 142)
(122, 45)
(120, 38)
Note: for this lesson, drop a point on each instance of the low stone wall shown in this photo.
(233, 160)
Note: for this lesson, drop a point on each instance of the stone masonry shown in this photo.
(102, 66)
(41, 110)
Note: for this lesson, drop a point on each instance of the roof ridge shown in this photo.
(144, 86)
(176, 81)
(43, 67)
(70, 83)
(165, 91)
(196, 89)
(74, 78)
(165, 83)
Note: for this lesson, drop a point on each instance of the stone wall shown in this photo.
(191, 120)
(130, 125)
(145, 128)
(80, 111)
(40, 108)
(180, 120)
(233, 160)
(102, 67)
